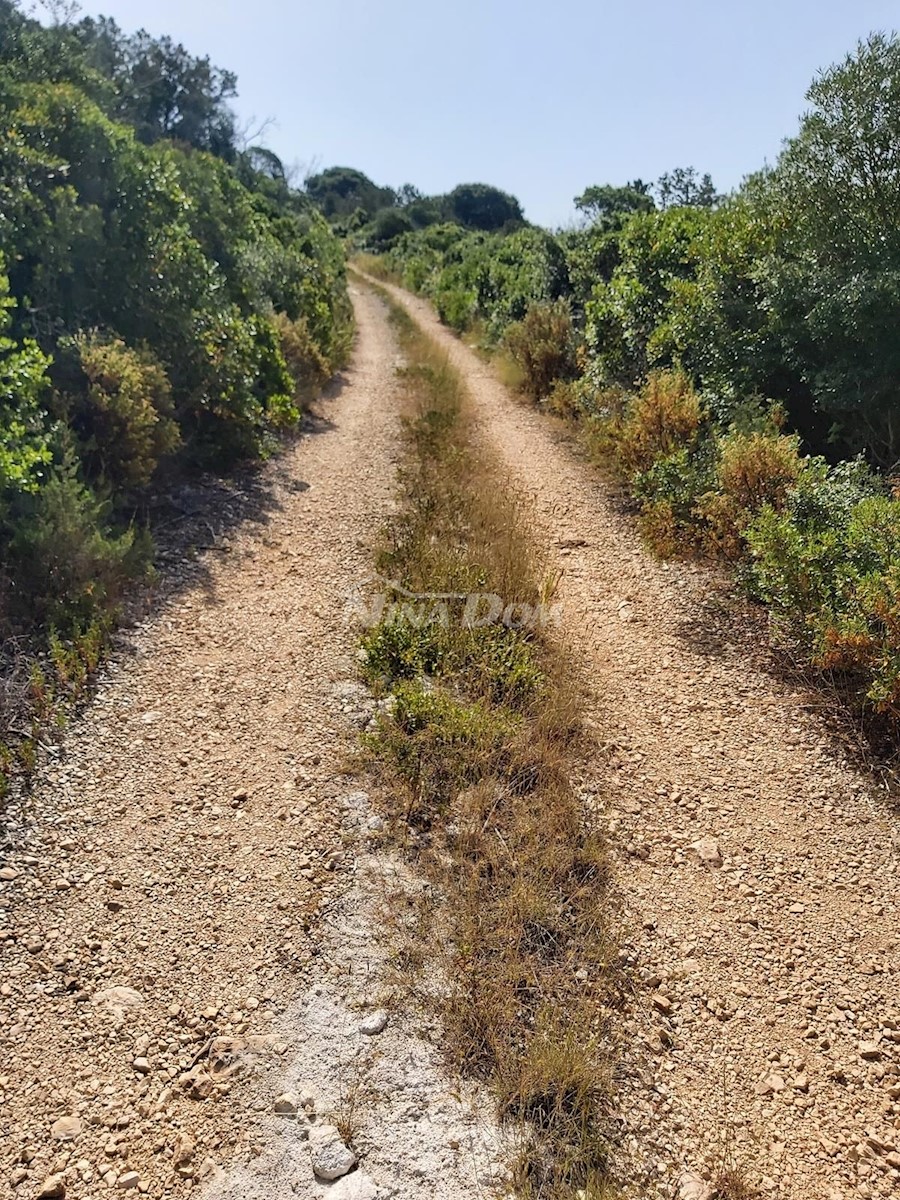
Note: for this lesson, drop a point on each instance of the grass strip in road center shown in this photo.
(479, 740)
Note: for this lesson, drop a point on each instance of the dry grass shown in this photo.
(375, 266)
(479, 749)
(732, 1185)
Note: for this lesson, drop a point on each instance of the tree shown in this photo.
(608, 205)
(339, 191)
(480, 206)
(389, 224)
(682, 188)
(834, 288)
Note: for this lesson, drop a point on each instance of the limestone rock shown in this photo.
(692, 1187)
(357, 1186)
(118, 1000)
(705, 851)
(53, 1188)
(330, 1157)
(374, 1023)
(65, 1129)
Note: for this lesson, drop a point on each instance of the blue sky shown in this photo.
(539, 99)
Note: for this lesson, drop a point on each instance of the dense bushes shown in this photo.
(166, 302)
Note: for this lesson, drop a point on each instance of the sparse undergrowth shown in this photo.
(478, 738)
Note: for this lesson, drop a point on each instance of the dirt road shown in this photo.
(758, 870)
(177, 895)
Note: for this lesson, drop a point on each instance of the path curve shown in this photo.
(767, 1031)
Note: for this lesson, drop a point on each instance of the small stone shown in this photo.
(287, 1105)
(692, 1187)
(706, 852)
(65, 1129)
(142, 1065)
(53, 1188)
(661, 1003)
(118, 999)
(771, 1083)
(199, 1084)
(8, 874)
(330, 1157)
(374, 1023)
(183, 1151)
(357, 1186)
(129, 1180)
(870, 1051)
(17, 1176)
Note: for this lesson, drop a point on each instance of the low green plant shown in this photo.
(543, 345)
(125, 415)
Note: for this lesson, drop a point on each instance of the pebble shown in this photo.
(706, 852)
(53, 1188)
(129, 1180)
(118, 999)
(330, 1157)
(374, 1023)
(65, 1129)
(692, 1187)
(287, 1105)
(357, 1186)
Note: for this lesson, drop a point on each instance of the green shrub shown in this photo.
(126, 414)
(829, 566)
(753, 470)
(305, 360)
(436, 741)
(543, 344)
(663, 419)
(65, 559)
(456, 308)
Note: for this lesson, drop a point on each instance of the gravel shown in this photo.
(757, 868)
(167, 884)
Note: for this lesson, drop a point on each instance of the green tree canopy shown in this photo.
(480, 206)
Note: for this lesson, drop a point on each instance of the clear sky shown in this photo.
(540, 99)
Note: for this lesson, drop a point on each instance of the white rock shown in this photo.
(374, 1022)
(54, 1186)
(66, 1129)
(706, 851)
(330, 1157)
(118, 999)
(287, 1105)
(357, 1186)
(692, 1187)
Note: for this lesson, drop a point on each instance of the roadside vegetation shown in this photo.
(732, 360)
(479, 739)
(168, 302)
